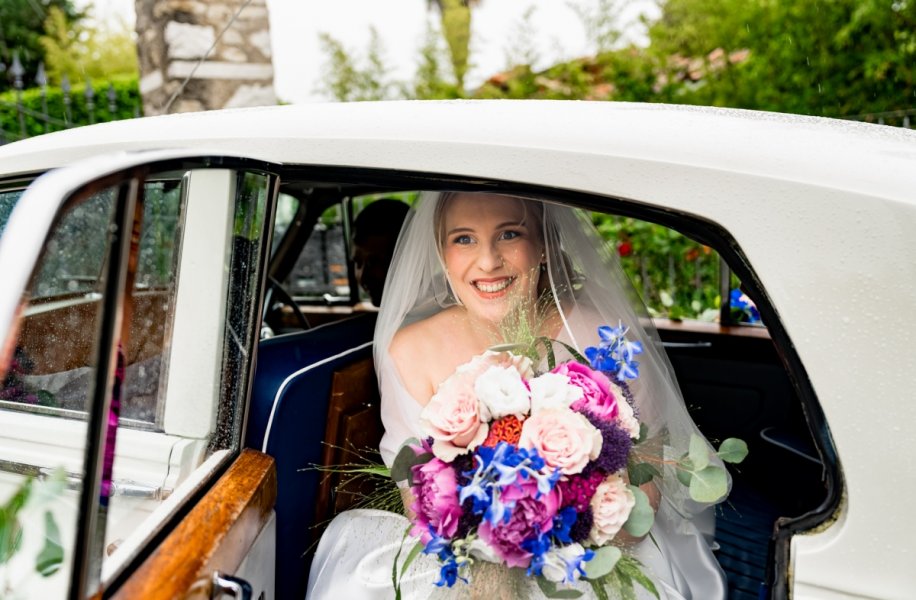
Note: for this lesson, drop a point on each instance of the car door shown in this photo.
(128, 327)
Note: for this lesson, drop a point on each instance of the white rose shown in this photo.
(502, 391)
(552, 390)
(561, 564)
(611, 506)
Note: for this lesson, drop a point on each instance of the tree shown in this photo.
(456, 27)
(21, 27)
(82, 52)
(348, 79)
(829, 58)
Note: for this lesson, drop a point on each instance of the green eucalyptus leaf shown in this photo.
(642, 516)
(643, 433)
(709, 484)
(51, 556)
(406, 459)
(603, 562)
(684, 471)
(699, 452)
(732, 450)
(641, 473)
(550, 590)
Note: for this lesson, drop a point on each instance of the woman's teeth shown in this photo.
(491, 287)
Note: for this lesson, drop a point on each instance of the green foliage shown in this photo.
(601, 22)
(431, 81)
(837, 58)
(732, 450)
(456, 27)
(604, 561)
(642, 516)
(16, 514)
(127, 102)
(21, 27)
(348, 79)
(676, 276)
(82, 52)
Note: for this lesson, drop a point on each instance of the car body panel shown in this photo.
(822, 211)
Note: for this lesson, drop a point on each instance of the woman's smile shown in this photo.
(493, 288)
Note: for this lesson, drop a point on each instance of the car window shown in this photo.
(320, 273)
(8, 200)
(43, 460)
(182, 370)
(58, 331)
(677, 277)
(196, 364)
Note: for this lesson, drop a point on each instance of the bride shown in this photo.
(463, 263)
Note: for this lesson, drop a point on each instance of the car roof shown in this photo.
(410, 135)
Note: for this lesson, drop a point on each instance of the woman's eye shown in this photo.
(510, 235)
(462, 239)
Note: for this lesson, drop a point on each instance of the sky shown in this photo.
(401, 25)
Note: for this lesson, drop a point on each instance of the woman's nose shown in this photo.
(490, 258)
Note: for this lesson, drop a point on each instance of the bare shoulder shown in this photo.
(418, 350)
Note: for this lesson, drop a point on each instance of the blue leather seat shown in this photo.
(287, 418)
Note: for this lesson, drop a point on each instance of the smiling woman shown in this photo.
(476, 271)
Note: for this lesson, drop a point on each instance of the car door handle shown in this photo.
(119, 487)
(227, 585)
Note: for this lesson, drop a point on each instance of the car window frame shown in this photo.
(74, 185)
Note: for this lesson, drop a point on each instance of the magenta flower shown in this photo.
(597, 397)
(436, 505)
(530, 515)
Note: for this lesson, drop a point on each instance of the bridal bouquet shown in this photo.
(537, 471)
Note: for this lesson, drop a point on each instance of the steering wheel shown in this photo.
(275, 299)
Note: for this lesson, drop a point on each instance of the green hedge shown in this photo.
(127, 103)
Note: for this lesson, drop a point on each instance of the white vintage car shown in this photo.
(167, 446)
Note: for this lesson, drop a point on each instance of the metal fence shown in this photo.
(57, 117)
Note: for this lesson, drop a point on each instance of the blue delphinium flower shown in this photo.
(442, 548)
(615, 354)
(562, 523)
(500, 467)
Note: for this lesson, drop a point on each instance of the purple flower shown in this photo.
(532, 514)
(615, 447)
(436, 506)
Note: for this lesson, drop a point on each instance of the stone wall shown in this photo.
(173, 35)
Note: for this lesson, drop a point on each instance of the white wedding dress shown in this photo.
(356, 554)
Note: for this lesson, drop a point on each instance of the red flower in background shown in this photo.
(625, 248)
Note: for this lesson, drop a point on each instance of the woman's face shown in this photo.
(492, 250)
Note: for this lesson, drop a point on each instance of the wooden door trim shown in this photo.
(215, 535)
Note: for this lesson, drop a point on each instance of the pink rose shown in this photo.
(436, 504)
(529, 516)
(563, 438)
(597, 397)
(453, 418)
(611, 506)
